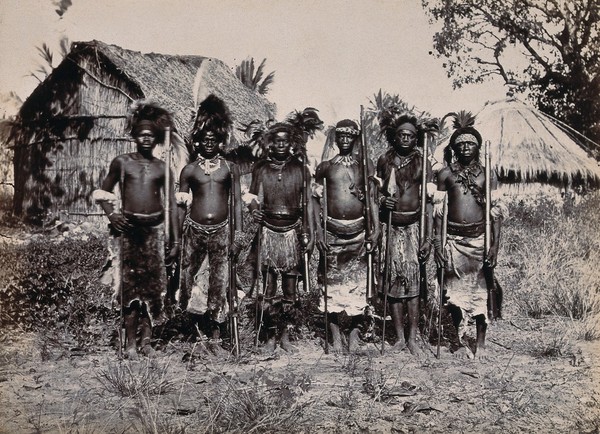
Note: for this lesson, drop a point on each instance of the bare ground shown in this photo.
(533, 381)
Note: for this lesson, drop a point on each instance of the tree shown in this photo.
(550, 48)
(254, 79)
(47, 65)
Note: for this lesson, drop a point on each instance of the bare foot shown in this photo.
(216, 349)
(148, 351)
(415, 349)
(464, 353)
(131, 353)
(269, 347)
(337, 347)
(481, 353)
(354, 341)
(398, 347)
(287, 345)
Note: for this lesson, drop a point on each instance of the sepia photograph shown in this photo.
(279, 216)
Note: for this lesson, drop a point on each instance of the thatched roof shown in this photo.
(527, 145)
(169, 80)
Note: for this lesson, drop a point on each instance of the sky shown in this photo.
(329, 54)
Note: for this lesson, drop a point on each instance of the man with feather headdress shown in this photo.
(139, 225)
(463, 256)
(400, 168)
(346, 245)
(209, 189)
(277, 200)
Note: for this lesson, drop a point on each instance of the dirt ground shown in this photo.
(529, 383)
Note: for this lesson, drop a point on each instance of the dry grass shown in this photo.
(145, 378)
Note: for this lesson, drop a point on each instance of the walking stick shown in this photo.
(443, 235)
(488, 233)
(368, 223)
(324, 208)
(233, 312)
(391, 189)
(423, 290)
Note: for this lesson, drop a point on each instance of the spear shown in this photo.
(324, 208)
(170, 298)
(258, 283)
(423, 223)
(443, 235)
(391, 190)
(120, 270)
(488, 231)
(368, 231)
(305, 223)
(232, 276)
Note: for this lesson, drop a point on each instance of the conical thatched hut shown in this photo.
(74, 123)
(530, 148)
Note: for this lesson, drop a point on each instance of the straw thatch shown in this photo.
(74, 123)
(527, 146)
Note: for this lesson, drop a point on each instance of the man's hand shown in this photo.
(234, 250)
(389, 203)
(491, 259)
(119, 222)
(425, 250)
(172, 254)
(440, 257)
(258, 215)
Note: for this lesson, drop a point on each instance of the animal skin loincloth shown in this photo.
(346, 266)
(204, 269)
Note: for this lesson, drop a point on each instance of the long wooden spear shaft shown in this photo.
(305, 223)
(232, 275)
(324, 208)
(368, 223)
(423, 222)
(259, 285)
(168, 186)
(443, 236)
(488, 228)
(391, 189)
(120, 269)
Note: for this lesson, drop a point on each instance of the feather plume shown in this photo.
(256, 132)
(144, 109)
(199, 91)
(212, 115)
(306, 122)
(462, 119)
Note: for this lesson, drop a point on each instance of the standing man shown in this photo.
(139, 226)
(276, 203)
(345, 250)
(205, 197)
(463, 255)
(400, 168)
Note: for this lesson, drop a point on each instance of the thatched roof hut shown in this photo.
(528, 146)
(74, 123)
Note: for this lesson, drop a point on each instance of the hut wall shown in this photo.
(80, 161)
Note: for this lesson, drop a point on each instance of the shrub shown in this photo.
(549, 259)
(50, 285)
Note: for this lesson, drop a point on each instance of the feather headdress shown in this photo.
(464, 130)
(149, 114)
(212, 115)
(392, 118)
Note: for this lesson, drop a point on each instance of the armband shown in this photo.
(438, 203)
(248, 198)
(377, 180)
(183, 198)
(499, 209)
(317, 190)
(437, 243)
(430, 189)
(100, 196)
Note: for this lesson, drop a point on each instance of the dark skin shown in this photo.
(344, 205)
(210, 194)
(279, 150)
(142, 178)
(463, 208)
(407, 201)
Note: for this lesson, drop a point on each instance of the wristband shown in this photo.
(110, 214)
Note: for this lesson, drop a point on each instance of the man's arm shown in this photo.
(107, 199)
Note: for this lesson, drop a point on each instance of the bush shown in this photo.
(50, 285)
(549, 259)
